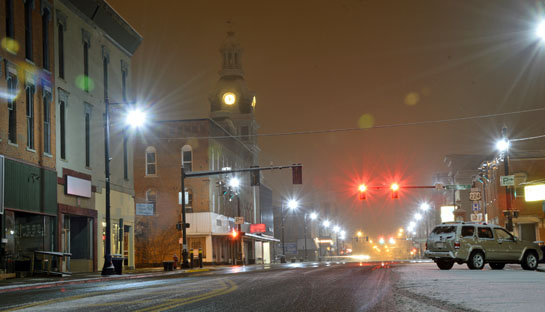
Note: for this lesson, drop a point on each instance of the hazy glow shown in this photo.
(359, 234)
(395, 187)
(418, 217)
(540, 30)
(360, 257)
(10, 45)
(292, 204)
(447, 213)
(391, 241)
(229, 98)
(336, 229)
(425, 206)
(381, 241)
(502, 145)
(136, 118)
(313, 215)
(534, 192)
(362, 188)
(326, 223)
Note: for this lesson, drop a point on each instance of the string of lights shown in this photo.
(396, 125)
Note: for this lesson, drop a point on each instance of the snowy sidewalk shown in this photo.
(510, 289)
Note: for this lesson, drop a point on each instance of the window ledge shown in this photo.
(13, 144)
(31, 150)
(63, 160)
(150, 176)
(48, 155)
(29, 61)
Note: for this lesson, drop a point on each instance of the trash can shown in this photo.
(117, 261)
(282, 259)
(168, 265)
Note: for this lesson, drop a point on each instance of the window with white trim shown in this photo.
(151, 161)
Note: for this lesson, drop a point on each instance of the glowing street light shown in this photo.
(234, 183)
(135, 118)
(326, 223)
(313, 215)
(293, 204)
(424, 206)
(502, 145)
(336, 229)
(381, 241)
(359, 234)
(418, 217)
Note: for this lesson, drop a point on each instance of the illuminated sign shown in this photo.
(258, 228)
(534, 192)
(447, 213)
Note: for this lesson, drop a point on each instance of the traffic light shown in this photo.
(362, 190)
(395, 190)
(234, 234)
(297, 173)
(254, 177)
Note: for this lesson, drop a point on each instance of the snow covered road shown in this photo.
(510, 289)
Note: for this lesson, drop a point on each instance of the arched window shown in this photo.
(187, 158)
(151, 161)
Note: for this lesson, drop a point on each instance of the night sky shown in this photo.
(322, 64)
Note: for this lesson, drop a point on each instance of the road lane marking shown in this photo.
(224, 291)
(182, 300)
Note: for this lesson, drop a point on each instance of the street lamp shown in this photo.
(540, 30)
(326, 223)
(418, 216)
(135, 118)
(502, 145)
(234, 183)
(424, 206)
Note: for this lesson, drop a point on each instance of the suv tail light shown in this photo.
(457, 245)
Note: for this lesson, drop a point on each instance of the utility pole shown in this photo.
(507, 188)
(305, 234)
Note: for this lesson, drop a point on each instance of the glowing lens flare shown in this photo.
(540, 30)
(502, 145)
(362, 188)
(136, 118)
(395, 187)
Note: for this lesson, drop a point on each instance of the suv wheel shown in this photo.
(529, 261)
(476, 260)
(445, 264)
(497, 266)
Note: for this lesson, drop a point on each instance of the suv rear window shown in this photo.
(444, 229)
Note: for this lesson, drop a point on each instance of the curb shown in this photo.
(6, 289)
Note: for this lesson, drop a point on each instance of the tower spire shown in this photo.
(231, 52)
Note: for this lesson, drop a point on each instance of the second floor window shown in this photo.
(9, 18)
(30, 116)
(62, 125)
(12, 109)
(60, 43)
(87, 139)
(125, 156)
(47, 124)
(151, 161)
(86, 66)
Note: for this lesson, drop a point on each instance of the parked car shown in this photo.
(477, 244)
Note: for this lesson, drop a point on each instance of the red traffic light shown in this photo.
(395, 189)
(362, 188)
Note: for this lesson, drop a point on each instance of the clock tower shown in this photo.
(232, 105)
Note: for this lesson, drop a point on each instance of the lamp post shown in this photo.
(503, 147)
(425, 207)
(326, 225)
(235, 184)
(135, 118)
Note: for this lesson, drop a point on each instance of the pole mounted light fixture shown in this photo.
(313, 215)
(540, 30)
(293, 204)
(326, 223)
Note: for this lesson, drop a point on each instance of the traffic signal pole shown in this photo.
(297, 179)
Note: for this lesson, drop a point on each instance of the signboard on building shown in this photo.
(258, 228)
(507, 180)
(458, 187)
(475, 196)
(78, 187)
(476, 217)
(1, 184)
(144, 209)
(534, 192)
(239, 220)
(476, 206)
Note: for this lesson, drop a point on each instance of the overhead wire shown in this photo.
(395, 125)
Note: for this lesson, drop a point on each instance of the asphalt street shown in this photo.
(301, 287)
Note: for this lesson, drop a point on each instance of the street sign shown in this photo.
(507, 180)
(476, 217)
(476, 207)
(458, 187)
(474, 196)
(239, 220)
(439, 186)
(145, 209)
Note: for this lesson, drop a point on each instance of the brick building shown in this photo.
(208, 144)
(27, 133)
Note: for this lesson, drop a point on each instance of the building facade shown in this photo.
(93, 51)
(27, 133)
(224, 140)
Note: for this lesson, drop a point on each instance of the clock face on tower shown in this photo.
(253, 102)
(229, 98)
